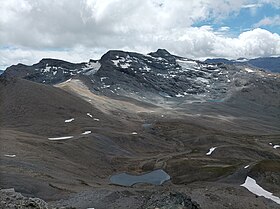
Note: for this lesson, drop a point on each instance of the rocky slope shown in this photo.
(9, 199)
(66, 128)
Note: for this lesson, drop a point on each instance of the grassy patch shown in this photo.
(267, 165)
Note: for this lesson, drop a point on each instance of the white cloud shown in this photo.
(63, 23)
(224, 28)
(272, 21)
(252, 7)
(78, 30)
(246, 6)
(193, 42)
(254, 43)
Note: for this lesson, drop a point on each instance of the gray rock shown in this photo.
(9, 199)
(171, 201)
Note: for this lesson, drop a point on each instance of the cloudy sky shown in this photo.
(77, 30)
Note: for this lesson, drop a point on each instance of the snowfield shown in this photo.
(253, 187)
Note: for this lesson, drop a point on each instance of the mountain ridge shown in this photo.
(156, 76)
(271, 64)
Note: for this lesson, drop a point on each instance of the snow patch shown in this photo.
(146, 68)
(211, 150)
(69, 120)
(10, 155)
(125, 65)
(134, 133)
(46, 70)
(106, 86)
(103, 78)
(247, 166)
(122, 62)
(116, 62)
(179, 95)
(88, 114)
(67, 80)
(86, 133)
(187, 61)
(242, 60)
(253, 187)
(248, 70)
(93, 67)
(60, 138)
(203, 80)
(274, 146)
(96, 119)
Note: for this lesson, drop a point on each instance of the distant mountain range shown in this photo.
(271, 64)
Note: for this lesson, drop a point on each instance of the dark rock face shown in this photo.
(48, 71)
(163, 53)
(160, 75)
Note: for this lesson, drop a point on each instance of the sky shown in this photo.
(79, 30)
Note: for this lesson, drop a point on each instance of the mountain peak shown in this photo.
(52, 62)
(160, 53)
(163, 53)
(113, 54)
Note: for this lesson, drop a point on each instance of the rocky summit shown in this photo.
(67, 129)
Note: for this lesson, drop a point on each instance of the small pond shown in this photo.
(156, 177)
(215, 100)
